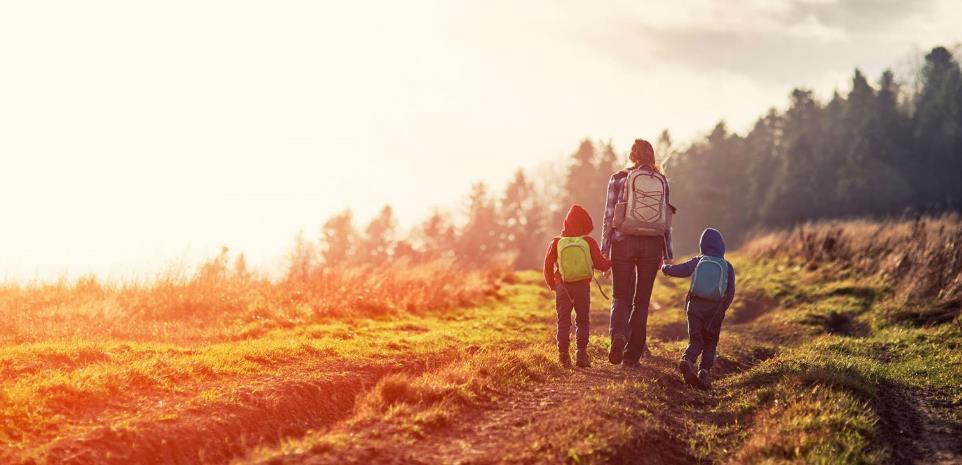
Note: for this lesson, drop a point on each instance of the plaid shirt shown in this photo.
(616, 190)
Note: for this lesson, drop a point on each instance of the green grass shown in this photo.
(812, 370)
(53, 391)
(816, 365)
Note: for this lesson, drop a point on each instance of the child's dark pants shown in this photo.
(704, 326)
(570, 296)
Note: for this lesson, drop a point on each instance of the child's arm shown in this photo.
(682, 270)
(598, 260)
(730, 292)
(550, 258)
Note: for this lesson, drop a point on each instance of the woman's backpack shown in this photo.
(574, 259)
(645, 211)
(710, 279)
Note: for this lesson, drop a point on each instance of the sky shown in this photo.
(140, 136)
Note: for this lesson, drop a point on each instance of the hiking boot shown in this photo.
(630, 364)
(688, 372)
(704, 379)
(582, 359)
(645, 352)
(617, 352)
(564, 358)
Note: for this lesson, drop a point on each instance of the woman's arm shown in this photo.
(669, 251)
(610, 201)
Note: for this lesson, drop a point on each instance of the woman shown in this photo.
(635, 260)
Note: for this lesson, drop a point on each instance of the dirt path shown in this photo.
(943, 436)
(921, 431)
(583, 410)
(481, 436)
(616, 415)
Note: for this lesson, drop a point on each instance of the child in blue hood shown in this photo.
(704, 316)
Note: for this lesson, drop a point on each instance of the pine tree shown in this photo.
(436, 237)
(301, 260)
(792, 196)
(863, 153)
(938, 131)
(378, 242)
(581, 182)
(763, 147)
(856, 147)
(664, 147)
(478, 244)
(339, 239)
(521, 221)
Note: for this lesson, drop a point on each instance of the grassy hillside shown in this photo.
(842, 347)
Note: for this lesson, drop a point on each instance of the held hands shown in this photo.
(665, 262)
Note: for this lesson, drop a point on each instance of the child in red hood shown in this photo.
(570, 278)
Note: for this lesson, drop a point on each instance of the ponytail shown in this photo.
(643, 155)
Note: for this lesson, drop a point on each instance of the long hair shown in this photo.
(643, 154)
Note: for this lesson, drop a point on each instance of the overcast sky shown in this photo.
(134, 135)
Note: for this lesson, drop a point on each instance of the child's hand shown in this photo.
(605, 274)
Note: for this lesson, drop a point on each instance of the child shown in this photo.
(568, 271)
(712, 290)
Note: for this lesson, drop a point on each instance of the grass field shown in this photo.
(842, 346)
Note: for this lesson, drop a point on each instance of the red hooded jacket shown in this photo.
(577, 223)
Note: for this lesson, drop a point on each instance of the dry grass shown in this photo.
(224, 302)
(84, 362)
(921, 258)
(812, 368)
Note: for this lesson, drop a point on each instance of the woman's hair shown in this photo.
(643, 154)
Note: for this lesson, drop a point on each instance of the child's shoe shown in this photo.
(564, 358)
(617, 352)
(582, 359)
(704, 379)
(688, 372)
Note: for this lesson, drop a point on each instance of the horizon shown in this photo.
(132, 156)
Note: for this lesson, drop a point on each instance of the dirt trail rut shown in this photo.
(480, 437)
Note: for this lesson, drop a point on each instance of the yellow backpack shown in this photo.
(574, 259)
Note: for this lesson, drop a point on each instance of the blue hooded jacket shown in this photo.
(712, 244)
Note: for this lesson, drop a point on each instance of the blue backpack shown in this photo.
(710, 279)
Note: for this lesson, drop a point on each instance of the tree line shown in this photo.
(879, 150)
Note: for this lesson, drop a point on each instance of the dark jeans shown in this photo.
(634, 265)
(704, 326)
(576, 296)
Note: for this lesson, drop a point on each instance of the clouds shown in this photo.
(785, 43)
(856, 16)
(157, 115)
